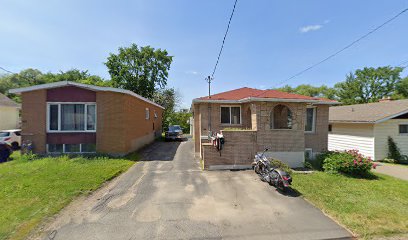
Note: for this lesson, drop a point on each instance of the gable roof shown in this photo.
(7, 102)
(369, 112)
(81, 85)
(246, 94)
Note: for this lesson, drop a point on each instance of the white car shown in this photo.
(11, 137)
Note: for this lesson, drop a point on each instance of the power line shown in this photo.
(344, 48)
(223, 41)
(403, 63)
(7, 70)
(26, 78)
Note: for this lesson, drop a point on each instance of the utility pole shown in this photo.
(209, 79)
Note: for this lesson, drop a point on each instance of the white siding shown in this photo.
(352, 136)
(389, 128)
(9, 118)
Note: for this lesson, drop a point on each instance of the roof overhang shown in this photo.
(374, 121)
(255, 99)
(81, 85)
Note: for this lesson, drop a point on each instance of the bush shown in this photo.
(275, 163)
(317, 163)
(348, 162)
(388, 160)
(393, 150)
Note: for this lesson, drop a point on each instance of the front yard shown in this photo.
(32, 190)
(369, 208)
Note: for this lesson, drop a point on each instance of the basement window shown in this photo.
(71, 148)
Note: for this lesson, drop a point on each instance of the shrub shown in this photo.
(275, 163)
(317, 163)
(393, 150)
(388, 160)
(348, 162)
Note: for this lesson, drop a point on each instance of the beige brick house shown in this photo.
(290, 125)
(69, 117)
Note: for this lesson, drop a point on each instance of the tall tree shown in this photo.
(369, 85)
(142, 70)
(168, 98)
(309, 90)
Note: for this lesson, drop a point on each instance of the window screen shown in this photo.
(309, 126)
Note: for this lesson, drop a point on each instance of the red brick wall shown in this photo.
(33, 119)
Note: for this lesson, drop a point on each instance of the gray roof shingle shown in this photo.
(7, 102)
(369, 112)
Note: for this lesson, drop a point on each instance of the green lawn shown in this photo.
(32, 190)
(369, 208)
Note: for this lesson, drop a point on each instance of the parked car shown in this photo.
(175, 132)
(11, 137)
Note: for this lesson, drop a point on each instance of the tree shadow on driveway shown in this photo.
(160, 151)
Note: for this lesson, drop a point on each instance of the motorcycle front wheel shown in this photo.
(256, 168)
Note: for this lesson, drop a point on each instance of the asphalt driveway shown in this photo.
(167, 196)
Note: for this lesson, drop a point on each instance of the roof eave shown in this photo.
(81, 85)
(255, 99)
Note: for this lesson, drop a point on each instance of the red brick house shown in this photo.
(69, 117)
(290, 125)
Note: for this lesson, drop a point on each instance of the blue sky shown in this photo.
(268, 41)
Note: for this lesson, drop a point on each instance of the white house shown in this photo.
(366, 127)
(9, 113)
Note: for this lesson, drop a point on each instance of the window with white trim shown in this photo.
(71, 117)
(310, 123)
(403, 129)
(230, 115)
(147, 114)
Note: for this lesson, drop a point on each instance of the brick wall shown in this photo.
(239, 149)
(201, 120)
(318, 140)
(33, 118)
(122, 124)
(280, 140)
(110, 132)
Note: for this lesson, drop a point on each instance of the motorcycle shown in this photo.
(274, 176)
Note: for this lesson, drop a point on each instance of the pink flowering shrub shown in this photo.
(350, 162)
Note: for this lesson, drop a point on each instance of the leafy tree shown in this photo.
(309, 90)
(401, 89)
(369, 85)
(181, 118)
(168, 98)
(30, 77)
(142, 70)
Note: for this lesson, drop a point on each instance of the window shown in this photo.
(71, 148)
(330, 128)
(281, 117)
(403, 128)
(71, 117)
(309, 154)
(55, 148)
(310, 119)
(88, 148)
(231, 115)
(147, 113)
